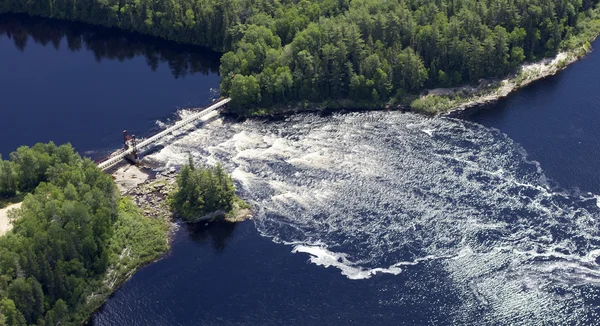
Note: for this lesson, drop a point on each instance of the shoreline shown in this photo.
(446, 100)
(149, 193)
(146, 193)
(529, 73)
(449, 100)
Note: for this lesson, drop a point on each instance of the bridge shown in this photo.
(132, 148)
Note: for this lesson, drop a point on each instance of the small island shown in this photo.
(205, 194)
(77, 235)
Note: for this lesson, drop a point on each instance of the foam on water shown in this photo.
(428, 131)
(378, 193)
(326, 258)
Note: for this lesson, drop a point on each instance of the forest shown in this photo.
(63, 256)
(369, 51)
(202, 190)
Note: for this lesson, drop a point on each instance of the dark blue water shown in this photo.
(483, 217)
(556, 121)
(84, 85)
(229, 274)
(475, 220)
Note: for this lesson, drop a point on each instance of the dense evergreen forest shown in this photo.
(201, 191)
(277, 51)
(64, 251)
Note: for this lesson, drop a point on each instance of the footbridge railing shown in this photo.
(120, 156)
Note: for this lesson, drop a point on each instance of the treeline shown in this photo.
(63, 237)
(371, 50)
(202, 191)
(363, 50)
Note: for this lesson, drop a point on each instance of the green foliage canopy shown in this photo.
(66, 234)
(201, 191)
(322, 50)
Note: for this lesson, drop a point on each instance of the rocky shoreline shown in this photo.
(149, 192)
(446, 101)
(528, 74)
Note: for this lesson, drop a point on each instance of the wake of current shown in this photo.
(371, 193)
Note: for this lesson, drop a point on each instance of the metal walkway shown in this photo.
(119, 156)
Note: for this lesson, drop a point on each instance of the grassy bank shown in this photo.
(440, 101)
(434, 103)
(138, 240)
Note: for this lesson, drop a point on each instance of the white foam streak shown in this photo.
(323, 257)
(379, 193)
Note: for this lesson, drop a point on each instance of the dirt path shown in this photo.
(5, 225)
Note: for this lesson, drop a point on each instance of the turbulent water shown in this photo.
(383, 192)
(427, 221)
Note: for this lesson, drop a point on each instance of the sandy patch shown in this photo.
(528, 73)
(129, 177)
(5, 224)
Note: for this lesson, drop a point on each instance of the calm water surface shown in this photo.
(74, 83)
(383, 218)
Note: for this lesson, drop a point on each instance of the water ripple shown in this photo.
(371, 193)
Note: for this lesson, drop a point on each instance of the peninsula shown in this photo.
(290, 55)
(78, 234)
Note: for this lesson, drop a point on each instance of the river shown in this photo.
(487, 217)
(72, 83)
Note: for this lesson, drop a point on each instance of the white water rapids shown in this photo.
(379, 193)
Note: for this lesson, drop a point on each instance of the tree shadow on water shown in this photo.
(217, 234)
(111, 44)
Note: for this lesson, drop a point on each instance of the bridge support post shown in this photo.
(130, 142)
